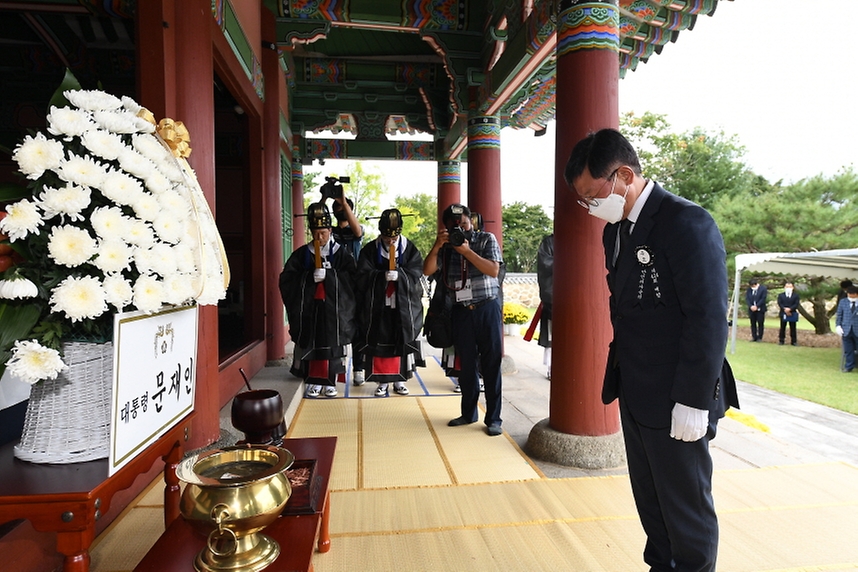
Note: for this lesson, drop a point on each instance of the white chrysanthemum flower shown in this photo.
(109, 223)
(186, 260)
(37, 155)
(171, 168)
(121, 188)
(140, 234)
(114, 255)
(143, 260)
(17, 288)
(192, 234)
(116, 121)
(71, 246)
(213, 290)
(131, 105)
(168, 227)
(32, 362)
(82, 171)
(22, 218)
(175, 204)
(92, 100)
(67, 201)
(151, 148)
(148, 294)
(142, 125)
(157, 182)
(79, 298)
(118, 292)
(103, 143)
(178, 289)
(135, 163)
(67, 122)
(146, 206)
(162, 261)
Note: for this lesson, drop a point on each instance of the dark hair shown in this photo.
(753, 282)
(846, 284)
(852, 289)
(349, 201)
(601, 153)
(448, 215)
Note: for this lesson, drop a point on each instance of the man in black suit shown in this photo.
(755, 297)
(668, 303)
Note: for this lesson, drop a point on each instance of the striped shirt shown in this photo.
(455, 266)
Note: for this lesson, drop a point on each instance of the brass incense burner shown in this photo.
(231, 495)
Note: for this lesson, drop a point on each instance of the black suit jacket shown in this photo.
(669, 313)
(758, 299)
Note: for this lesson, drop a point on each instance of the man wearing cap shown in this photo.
(317, 287)
(469, 263)
(390, 308)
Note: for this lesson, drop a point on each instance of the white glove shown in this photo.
(688, 423)
(319, 275)
(839, 330)
(392, 275)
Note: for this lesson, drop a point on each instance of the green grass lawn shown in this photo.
(810, 373)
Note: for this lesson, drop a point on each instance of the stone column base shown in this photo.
(582, 451)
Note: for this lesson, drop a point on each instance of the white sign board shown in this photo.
(154, 375)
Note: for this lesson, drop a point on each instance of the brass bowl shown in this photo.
(231, 495)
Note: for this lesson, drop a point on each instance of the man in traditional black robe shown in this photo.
(390, 308)
(317, 287)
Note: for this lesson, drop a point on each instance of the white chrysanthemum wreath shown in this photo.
(114, 220)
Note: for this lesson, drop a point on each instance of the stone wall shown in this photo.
(521, 288)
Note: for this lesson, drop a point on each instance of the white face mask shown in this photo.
(611, 208)
(788, 291)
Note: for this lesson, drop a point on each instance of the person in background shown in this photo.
(349, 232)
(545, 278)
(317, 288)
(844, 284)
(847, 327)
(788, 313)
(755, 298)
(469, 263)
(667, 279)
(390, 307)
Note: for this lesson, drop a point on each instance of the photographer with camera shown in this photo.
(468, 263)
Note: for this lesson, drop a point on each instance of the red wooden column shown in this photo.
(581, 431)
(156, 72)
(484, 173)
(275, 329)
(195, 107)
(298, 238)
(449, 185)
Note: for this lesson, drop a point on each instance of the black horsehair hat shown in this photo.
(318, 216)
(390, 223)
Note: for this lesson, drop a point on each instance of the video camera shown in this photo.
(456, 235)
(332, 188)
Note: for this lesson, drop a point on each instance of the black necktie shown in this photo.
(623, 237)
(853, 307)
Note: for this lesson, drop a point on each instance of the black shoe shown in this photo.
(494, 429)
(794, 344)
(459, 421)
(780, 343)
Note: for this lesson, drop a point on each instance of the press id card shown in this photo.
(463, 293)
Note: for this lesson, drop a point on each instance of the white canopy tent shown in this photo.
(841, 264)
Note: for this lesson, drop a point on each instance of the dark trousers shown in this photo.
(477, 337)
(672, 485)
(758, 318)
(782, 335)
(850, 344)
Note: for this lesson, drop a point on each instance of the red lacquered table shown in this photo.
(295, 531)
(69, 499)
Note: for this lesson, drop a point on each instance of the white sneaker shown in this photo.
(330, 391)
(399, 388)
(359, 378)
(457, 389)
(381, 391)
(313, 391)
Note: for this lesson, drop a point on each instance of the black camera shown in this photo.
(332, 189)
(456, 236)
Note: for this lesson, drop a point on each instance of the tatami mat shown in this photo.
(783, 522)
(389, 443)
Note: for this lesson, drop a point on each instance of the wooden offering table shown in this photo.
(307, 512)
(69, 499)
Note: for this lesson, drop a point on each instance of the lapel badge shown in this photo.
(644, 255)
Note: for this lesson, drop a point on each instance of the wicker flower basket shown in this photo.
(68, 418)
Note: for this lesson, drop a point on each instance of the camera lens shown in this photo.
(457, 236)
